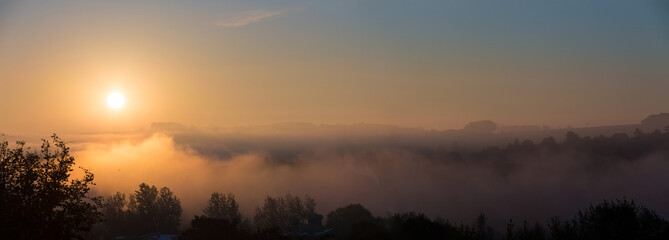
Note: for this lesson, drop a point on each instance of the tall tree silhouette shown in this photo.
(38, 197)
(116, 214)
(151, 210)
(285, 213)
(169, 210)
(221, 206)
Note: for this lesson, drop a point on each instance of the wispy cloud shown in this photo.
(249, 17)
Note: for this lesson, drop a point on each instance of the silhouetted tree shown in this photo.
(483, 231)
(571, 138)
(115, 214)
(655, 121)
(224, 207)
(561, 230)
(285, 213)
(143, 209)
(150, 210)
(168, 216)
(342, 219)
(549, 143)
(38, 197)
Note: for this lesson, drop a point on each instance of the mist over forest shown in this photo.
(530, 175)
(456, 174)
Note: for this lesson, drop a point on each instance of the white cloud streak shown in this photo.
(247, 18)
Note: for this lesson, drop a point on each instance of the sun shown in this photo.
(115, 100)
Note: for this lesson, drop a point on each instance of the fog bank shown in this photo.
(383, 176)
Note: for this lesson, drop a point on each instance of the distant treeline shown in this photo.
(292, 217)
(600, 150)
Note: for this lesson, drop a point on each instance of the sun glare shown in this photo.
(115, 100)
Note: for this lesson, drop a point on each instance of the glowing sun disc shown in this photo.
(115, 100)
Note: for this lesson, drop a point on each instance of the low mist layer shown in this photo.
(522, 181)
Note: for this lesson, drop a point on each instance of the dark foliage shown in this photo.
(148, 210)
(343, 219)
(620, 219)
(286, 213)
(203, 227)
(592, 153)
(364, 230)
(271, 234)
(525, 232)
(38, 197)
(221, 206)
(418, 226)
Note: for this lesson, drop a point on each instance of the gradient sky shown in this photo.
(432, 64)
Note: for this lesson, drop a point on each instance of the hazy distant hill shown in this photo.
(656, 121)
